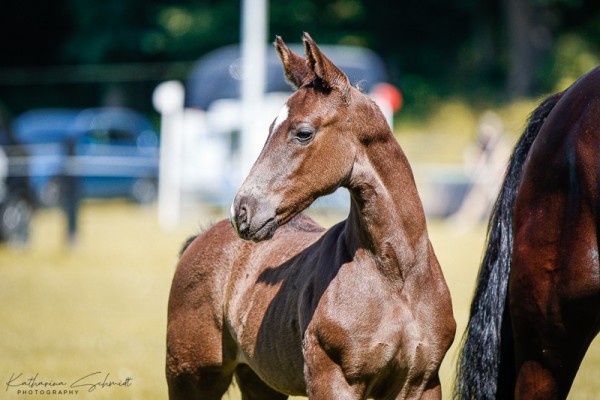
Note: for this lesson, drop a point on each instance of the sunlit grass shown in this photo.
(101, 306)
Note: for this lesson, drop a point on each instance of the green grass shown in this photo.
(101, 306)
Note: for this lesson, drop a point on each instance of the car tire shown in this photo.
(144, 190)
(15, 220)
(50, 194)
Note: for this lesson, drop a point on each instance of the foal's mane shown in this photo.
(187, 243)
(190, 239)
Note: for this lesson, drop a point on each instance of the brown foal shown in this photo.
(358, 311)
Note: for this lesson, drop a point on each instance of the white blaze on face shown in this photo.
(281, 117)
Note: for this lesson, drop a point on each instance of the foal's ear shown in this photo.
(330, 75)
(294, 66)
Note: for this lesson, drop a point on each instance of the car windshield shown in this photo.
(217, 75)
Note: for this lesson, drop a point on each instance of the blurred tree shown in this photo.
(328, 21)
(433, 47)
(521, 45)
(32, 32)
(575, 49)
(139, 30)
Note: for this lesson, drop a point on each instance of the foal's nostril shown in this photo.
(243, 213)
(239, 215)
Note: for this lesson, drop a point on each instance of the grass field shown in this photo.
(98, 311)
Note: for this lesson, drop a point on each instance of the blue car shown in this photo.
(112, 151)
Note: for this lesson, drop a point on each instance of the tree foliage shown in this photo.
(495, 48)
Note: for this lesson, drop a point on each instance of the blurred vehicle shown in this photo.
(16, 203)
(213, 109)
(113, 152)
(217, 75)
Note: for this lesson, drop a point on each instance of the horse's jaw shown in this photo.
(264, 232)
(252, 220)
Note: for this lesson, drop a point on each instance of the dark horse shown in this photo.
(360, 310)
(536, 307)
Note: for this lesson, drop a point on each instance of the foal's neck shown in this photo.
(386, 215)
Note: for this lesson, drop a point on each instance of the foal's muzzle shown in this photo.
(251, 219)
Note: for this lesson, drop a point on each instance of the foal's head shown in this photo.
(311, 147)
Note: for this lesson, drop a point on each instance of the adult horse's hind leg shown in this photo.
(549, 352)
(554, 312)
(253, 388)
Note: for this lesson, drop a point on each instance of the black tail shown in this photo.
(486, 343)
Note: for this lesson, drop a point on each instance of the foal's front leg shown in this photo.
(433, 390)
(325, 379)
(422, 387)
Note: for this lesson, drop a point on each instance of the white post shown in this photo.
(254, 28)
(168, 100)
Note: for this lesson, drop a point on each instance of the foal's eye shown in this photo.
(304, 135)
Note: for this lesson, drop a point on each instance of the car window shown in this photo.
(217, 75)
(121, 138)
(109, 137)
